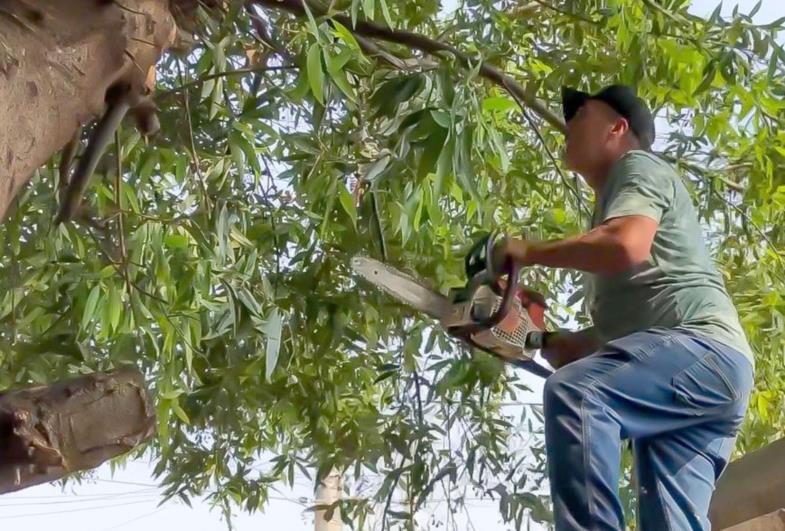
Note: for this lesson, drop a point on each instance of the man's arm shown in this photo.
(565, 347)
(613, 247)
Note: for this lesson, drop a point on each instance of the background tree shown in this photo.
(296, 135)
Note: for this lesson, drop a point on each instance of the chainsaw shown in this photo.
(489, 313)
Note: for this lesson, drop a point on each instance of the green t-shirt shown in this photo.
(678, 286)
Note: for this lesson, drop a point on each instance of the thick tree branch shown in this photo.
(47, 432)
(427, 45)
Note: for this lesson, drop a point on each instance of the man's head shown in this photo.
(604, 126)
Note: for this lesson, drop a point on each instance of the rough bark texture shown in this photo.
(770, 522)
(57, 60)
(48, 432)
(750, 487)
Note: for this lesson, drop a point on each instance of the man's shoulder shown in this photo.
(638, 158)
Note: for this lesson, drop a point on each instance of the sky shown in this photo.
(128, 499)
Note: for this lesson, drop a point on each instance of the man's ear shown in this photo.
(620, 126)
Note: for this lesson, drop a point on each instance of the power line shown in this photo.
(135, 519)
(87, 499)
(127, 483)
(82, 509)
(66, 494)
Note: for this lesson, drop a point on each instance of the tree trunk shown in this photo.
(750, 487)
(48, 432)
(57, 60)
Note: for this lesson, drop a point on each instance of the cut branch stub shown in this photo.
(49, 431)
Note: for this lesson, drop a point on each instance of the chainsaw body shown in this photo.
(508, 338)
(491, 313)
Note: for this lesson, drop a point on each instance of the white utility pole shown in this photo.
(327, 493)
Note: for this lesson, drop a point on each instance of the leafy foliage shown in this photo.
(218, 259)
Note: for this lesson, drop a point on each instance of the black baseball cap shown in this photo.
(620, 98)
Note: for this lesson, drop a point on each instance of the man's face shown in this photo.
(589, 135)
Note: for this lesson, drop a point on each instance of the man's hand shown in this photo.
(509, 250)
(565, 347)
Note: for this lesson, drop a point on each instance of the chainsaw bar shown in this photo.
(403, 287)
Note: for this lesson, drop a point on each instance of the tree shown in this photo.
(292, 139)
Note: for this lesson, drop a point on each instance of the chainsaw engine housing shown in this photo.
(508, 338)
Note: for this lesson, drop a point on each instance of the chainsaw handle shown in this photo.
(479, 259)
(508, 297)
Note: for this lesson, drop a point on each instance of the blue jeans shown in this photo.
(679, 397)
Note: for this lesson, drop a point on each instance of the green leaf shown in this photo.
(347, 202)
(431, 151)
(345, 35)
(386, 13)
(90, 306)
(338, 74)
(237, 151)
(315, 73)
(312, 27)
(331, 193)
(355, 10)
(272, 329)
(115, 307)
(498, 103)
(177, 241)
(377, 167)
(180, 412)
(368, 8)
(217, 99)
(444, 165)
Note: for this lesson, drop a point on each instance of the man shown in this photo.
(666, 363)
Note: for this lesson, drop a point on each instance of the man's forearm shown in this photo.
(596, 251)
(615, 246)
(564, 347)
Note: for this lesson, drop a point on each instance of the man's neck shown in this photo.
(597, 179)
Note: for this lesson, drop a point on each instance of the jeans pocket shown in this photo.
(703, 386)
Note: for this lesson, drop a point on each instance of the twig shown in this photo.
(576, 16)
(392, 490)
(575, 191)
(117, 268)
(119, 202)
(427, 45)
(194, 155)
(191, 84)
(716, 173)
(67, 157)
(754, 225)
(377, 225)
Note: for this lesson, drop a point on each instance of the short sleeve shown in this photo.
(640, 188)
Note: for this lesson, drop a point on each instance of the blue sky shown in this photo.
(127, 499)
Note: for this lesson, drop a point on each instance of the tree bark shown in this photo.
(750, 487)
(47, 432)
(57, 60)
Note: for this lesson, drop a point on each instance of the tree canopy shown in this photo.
(296, 135)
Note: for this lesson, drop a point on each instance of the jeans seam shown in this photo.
(586, 434)
(666, 517)
(721, 374)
